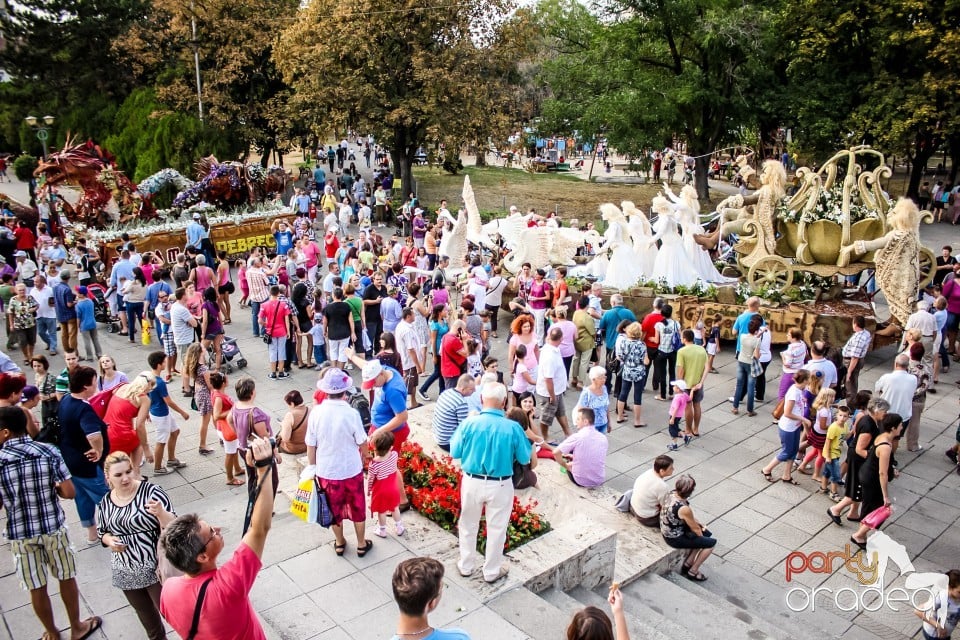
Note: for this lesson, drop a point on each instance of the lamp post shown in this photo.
(43, 130)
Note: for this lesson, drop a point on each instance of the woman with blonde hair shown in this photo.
(126, 419)
(130, 519)
(634, 361)
(195, 368)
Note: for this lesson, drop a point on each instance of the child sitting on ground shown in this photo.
(678, 407)
(832, 450)
(383, 486)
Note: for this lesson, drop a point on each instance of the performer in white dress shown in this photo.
(672, 263)
(688, 210)
(641, 234)
(621, 270)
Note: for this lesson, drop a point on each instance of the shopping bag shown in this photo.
(367, 342)
(145, 334)
(319, 509)
(301, 499)
(226, 431)
(877, 517)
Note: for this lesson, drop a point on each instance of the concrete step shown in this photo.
(561, 600)
(533, 615)
(742, 593)
(699, 615)
(642, 622)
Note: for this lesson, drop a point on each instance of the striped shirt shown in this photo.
(135, 568)
(381, 469)
(451, 410)
(29, 473)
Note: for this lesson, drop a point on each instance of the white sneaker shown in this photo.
(401, 529)
(730, 399)
(421, 397)
(381, 531)
(349, 367)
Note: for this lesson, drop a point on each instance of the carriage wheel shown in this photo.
(770, 272)
(927, 264)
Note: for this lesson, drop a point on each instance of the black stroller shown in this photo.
(230, 351)
(101, 310)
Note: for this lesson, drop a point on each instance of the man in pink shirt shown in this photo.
(311, 253)
(586, 450)
(211, 603)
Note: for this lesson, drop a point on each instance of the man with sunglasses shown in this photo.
(206, 603)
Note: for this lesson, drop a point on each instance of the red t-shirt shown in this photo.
(332, 244)
(25, 238)
(450, 360)
(227, 613)
(275, 317)
(649, 331)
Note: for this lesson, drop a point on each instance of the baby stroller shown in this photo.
(101, 310)
(230, 350)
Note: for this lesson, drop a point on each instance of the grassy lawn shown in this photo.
(497, 188)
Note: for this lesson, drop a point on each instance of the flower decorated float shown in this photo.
(832, 225)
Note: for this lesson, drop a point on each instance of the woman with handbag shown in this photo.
(632, 353)
(875, 477)
(790, 426)
(293, 430)
(865, 431)
(129, 521)
(248, 420)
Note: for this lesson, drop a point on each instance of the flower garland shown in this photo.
(829, 206)
(433, 488)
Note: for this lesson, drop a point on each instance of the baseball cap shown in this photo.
(29, 393)
(82, 290)
(370, 372)
(679, 384)
(19, 254)
(196, 216)
(335, 381)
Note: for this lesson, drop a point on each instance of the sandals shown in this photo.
(735, 411)
(768, 477)
(161, 471)
(175, 464)
(862, 545)
(695, 577)
(639, 426)
(621, 420)
(790, 481)
(204, 451)
(362, 551)
(95, 623)
(235, 482)
(835, 518)
(340, 548)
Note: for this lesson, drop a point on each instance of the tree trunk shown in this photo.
(953, 141)
(481, 155)
(701, 168)
(265, 156)
(916, 171)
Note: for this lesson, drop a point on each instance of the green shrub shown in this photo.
(24, 166)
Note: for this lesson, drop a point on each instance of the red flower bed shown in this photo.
(433, 487)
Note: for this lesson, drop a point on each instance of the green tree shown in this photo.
(241, 87)
(404, 71)
(640, 71)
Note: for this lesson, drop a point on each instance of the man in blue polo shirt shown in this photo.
(740, 324)
(487, 445)
(389, 410)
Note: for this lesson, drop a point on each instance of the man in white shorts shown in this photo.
(167, 429)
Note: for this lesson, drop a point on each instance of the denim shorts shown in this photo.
(831, 471)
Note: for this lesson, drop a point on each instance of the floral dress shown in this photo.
(201, 392)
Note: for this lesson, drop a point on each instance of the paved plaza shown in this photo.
(305, 592)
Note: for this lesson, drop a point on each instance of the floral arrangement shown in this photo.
(218, 172)
(828, 207)
(433, 488)
(150, 185)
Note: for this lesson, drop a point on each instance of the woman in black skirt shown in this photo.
(875, 473)
(866, 431)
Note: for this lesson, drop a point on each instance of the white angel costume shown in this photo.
(672, 263)
(641, 235)
(622, 269)
(688, 209)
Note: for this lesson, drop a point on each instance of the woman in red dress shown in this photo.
(126, 419)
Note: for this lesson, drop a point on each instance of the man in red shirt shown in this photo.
(650, 337)
(214, 602)
(332, 244)
(453, 354)
(26, 239)
(274, 314)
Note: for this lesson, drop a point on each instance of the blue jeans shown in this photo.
(134, 313)
(789, 445)
(90, 492)
(255, 314)
(47, 330)
(746, 383)
(319, 353)
(434, 375)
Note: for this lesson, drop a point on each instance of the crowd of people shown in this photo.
(335, 295)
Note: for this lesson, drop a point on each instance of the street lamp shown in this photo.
(43, 130)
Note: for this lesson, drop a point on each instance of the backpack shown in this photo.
(675, 338)
(670, 337)
(358, 400)
(100, 401)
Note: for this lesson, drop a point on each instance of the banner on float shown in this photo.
(236, 240)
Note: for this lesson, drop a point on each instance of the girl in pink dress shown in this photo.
(383, 486)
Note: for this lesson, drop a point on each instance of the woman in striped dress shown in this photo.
(129, 520)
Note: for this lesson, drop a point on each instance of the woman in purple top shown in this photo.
(212, 327)
(567, 348)
(540, 295)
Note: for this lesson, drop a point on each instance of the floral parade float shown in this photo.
(433, 488)
(100, 203)
(838, 222)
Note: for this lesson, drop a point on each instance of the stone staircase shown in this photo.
(731, 604)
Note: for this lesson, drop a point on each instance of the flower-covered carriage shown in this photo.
(832, 209)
